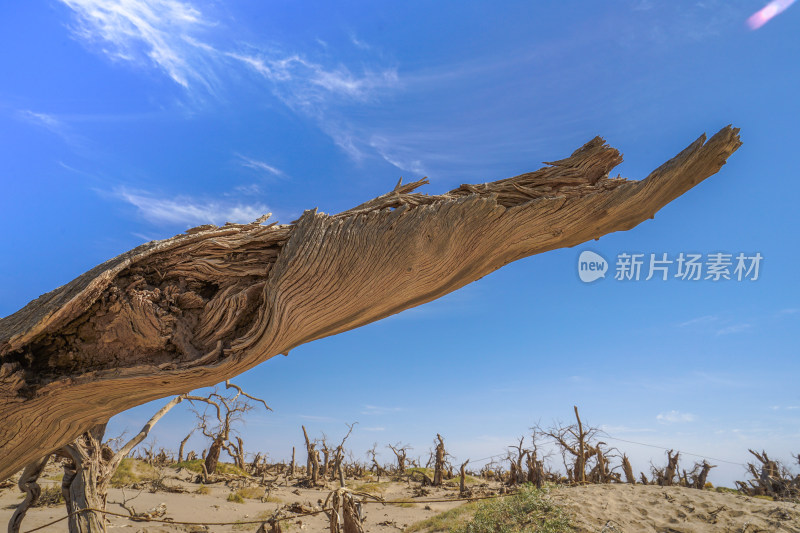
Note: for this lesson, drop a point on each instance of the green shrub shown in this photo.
(132, 471)
(195, 465)
(235, 497)
(529, 510)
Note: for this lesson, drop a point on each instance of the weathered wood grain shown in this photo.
(194, 310)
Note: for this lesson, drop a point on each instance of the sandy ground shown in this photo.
(639, 508)
(596, 508)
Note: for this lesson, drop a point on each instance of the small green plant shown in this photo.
(529, 510)
(202, 489)
(445, 521)
(371, 487)
(246, 493)
(727, 490)
(235, 497)
(132, 471)
(195, 465)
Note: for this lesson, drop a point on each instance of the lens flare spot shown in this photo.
(765, 14)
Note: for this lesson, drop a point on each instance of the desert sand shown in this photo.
(610, 508)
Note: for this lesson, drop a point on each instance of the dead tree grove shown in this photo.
(194, 310)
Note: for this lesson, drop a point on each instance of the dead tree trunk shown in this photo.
(183, 443)
(699, 478)
(212, 457)
(87, 477)
(671, 468)
(190, 311)
(438, 466)
(580, 461)
(626, 467)
(463, 483)
(312, 460)
(535, 470)
(291, 467)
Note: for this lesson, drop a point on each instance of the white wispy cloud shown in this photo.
(187, 210)
(198, 54)
(308, 86)
(358, 42)
(397, 155)
(249, 162)
(735, 328)
(43, 119)
(675, 416)
(154, 31)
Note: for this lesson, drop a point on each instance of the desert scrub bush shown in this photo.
(195, 465)
(372, 487)
(246, 493)
(529, 510)
(202, 489)
(446, 521)
(132, 471)
(51, 495)
(235, 497)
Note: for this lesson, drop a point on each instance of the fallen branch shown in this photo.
(194, 310)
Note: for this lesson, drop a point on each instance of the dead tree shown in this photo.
(338, 455)
(174, 315)
(666, 476)
(439, 463)
(770, 478)
(699, 475)
(577, 442)
(628, 470)
(183, 444)
(326, 456)
(87, 474)
(400, 452)
(517, 463)
(227, 411)
(312, 460)
(463, 483)
(375, 466)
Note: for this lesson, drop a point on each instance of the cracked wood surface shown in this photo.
(191, 311)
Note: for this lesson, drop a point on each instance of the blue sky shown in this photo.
(130, 120)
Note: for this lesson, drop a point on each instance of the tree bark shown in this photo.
(191, 311)
(84, 482)
(212, 458)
